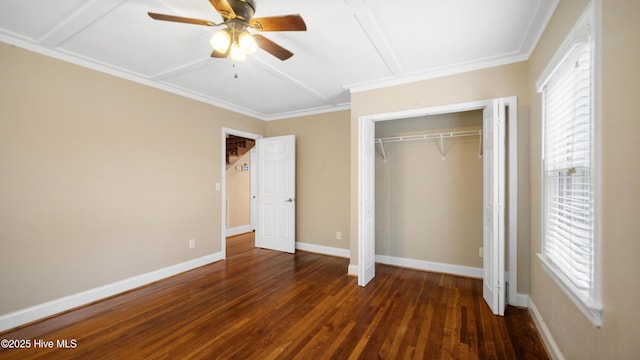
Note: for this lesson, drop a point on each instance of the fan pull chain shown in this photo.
(235, 76)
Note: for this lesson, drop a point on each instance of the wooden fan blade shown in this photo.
(272, 48)
(223, 7)
(181, 19)
(279, 23)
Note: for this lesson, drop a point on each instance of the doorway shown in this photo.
(366, 170)
(226, 132)
(272, 197)
(239, 168)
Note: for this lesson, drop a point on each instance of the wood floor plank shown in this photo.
(262, 304)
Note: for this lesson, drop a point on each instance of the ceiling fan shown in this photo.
(235, 41)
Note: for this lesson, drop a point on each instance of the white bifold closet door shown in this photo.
(367, 204)
(493, 206)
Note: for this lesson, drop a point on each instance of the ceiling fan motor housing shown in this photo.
(244, 9)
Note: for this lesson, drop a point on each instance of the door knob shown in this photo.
(289, 200)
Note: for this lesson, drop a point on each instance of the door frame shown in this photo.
(512, 174)
(254, 173)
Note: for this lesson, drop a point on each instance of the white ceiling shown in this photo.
(350, 45)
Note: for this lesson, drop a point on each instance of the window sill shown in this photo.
(593, 312)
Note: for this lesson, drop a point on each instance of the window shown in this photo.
(569, 246)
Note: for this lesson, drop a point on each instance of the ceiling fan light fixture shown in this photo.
(247, 43)
(235, 41)
(221, 41)
(237, 53)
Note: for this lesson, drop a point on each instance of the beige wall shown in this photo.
(496, 82)
(322, 176)
(618, 337)
(428, 208)
(239, 193)
(102, 178)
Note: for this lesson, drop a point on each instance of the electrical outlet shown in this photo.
(480, 252)
(338, 235)
(192, 244)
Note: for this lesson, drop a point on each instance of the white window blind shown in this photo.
(568, 172)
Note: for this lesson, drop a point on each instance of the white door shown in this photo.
(276, 228)
(493, 201)
(366, 199)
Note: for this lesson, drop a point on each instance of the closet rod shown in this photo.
(432, 136)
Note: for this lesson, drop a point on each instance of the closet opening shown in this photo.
(428, 191)
(426, 207)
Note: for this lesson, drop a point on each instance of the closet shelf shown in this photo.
(433, 136)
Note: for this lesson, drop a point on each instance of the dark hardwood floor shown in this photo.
(261, 304)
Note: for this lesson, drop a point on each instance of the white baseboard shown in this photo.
(33, 313)
(430, 266)
(353, 270)
(324, 250)
(551, 344)
(522, 300)
(238, 230)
